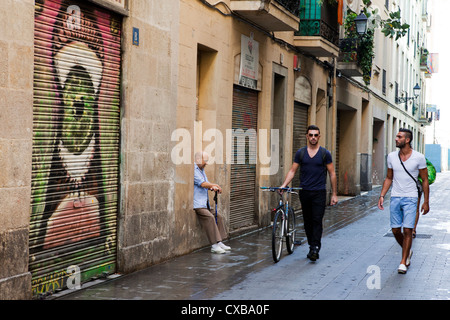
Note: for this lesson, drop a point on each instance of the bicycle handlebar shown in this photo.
(273, 189)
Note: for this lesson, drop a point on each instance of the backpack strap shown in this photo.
(302, 153)
(324, 154)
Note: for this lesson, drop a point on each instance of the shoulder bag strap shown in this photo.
(405, 168)
(419, 190)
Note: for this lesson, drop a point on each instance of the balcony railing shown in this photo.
(318, 18)
(293, 6)
(318, 28)
(424, 59)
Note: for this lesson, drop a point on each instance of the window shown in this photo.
(310, 10)
(396, 92)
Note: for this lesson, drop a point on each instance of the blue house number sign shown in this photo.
(136, 36)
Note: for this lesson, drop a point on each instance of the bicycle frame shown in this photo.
(283, 224)
(281, 203)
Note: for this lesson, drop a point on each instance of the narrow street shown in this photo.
(358, 261)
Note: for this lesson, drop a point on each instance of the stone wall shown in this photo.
(16, 129)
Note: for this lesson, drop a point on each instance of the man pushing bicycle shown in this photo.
(314, 162)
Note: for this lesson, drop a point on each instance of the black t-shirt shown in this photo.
(313, 171)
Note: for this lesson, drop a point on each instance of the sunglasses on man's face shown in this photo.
(313, 135)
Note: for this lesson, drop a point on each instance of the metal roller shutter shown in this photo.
(300, 123)
(338, 143)
(243, 175)
(76, 131)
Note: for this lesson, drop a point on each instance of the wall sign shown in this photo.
(120, 3)
(118, 6)
(248, 73)
(136, 36)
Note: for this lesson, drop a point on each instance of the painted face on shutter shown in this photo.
(79, 104)
(76, 141)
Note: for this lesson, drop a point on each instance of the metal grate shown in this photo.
(291, 5)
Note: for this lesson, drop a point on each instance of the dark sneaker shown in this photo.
(313, 254)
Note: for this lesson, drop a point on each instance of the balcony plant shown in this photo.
(363, 48)
(359, 48)
(424, 59)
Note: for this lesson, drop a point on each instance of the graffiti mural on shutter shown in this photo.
(76, 113)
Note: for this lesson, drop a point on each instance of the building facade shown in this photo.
(105, 103)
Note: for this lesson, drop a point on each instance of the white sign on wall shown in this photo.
(120, 3)
(248, 74)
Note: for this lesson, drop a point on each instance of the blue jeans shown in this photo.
(403, 212)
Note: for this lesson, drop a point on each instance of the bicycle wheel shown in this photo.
(277, 235)
(290, 232)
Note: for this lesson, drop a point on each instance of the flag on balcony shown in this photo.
(433, 62)
(341, 12)
(354, 5)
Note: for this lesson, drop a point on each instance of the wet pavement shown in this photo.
(358, 261)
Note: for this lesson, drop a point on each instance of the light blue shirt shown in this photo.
(200, 194)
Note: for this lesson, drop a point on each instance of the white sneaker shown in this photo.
(408, 260)
(217, 249)
(402, 269)
(224, 247)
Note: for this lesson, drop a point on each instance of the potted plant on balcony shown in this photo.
(358, 48)
(424, 59)
(361, 47)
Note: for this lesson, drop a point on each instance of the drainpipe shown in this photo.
(334, 113)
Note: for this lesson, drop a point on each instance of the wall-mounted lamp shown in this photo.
(351, 44)
(416, 90)
(361, 23)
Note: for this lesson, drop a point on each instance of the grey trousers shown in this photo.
(214, 232)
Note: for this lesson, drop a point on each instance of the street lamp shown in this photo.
(416, 91)
(361, 23)
(351, 44)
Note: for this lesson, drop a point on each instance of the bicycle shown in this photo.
(283, 224)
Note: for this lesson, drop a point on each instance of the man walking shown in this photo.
(404, 167)
(314, 162)
(215, 230)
